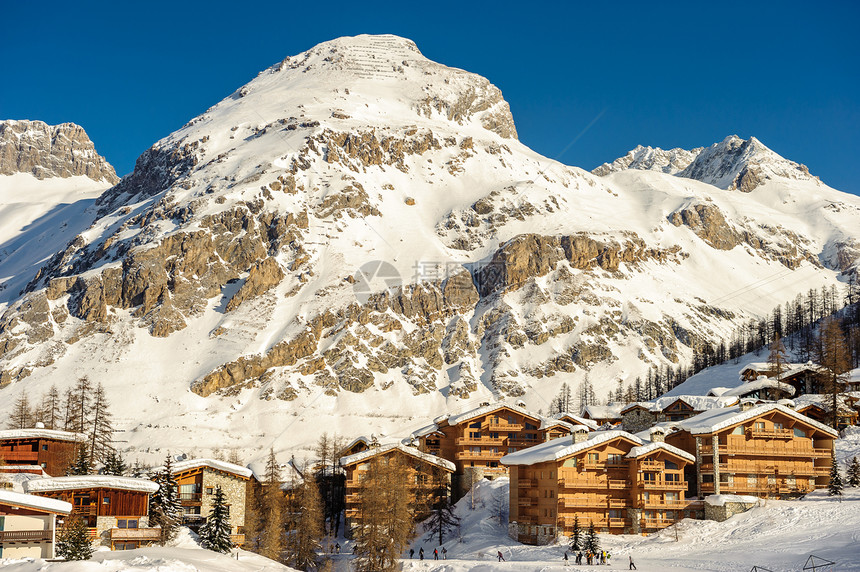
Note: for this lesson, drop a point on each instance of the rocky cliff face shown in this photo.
(47, 151)
(360, 226)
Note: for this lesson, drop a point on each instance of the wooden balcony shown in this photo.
(606, 465)
(479, 441)
(656, 523)
(523, 443)
(618, 484)
(617, 523)
(770, 433)
(651, 465)
(504, 427)
(797, 452)
(663, 485)
(617, 503)
(135, 534)
(353, 498)
(527, 483)
(20, 457)
(25, 536)
(663, 503)
(525, 501)
(190, 497)
(483, 455)
(574, 502)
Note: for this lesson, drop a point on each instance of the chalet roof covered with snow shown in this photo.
(54, 434)
(575, 420)
(35, 502)
(648, 448)
(223, 466)
(90, 482)
(718, 419)
(486, 410)
(822, 401)
(411, 451)
(545, 422)
(697, 402)
(611, 411)
(760, 383)
(765, 367)
(564, 447)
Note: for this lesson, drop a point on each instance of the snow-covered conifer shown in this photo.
(215, 532)
(853, 475)
(73, 540)
(834, 487)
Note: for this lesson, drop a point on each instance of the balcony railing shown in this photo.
(138, 534)
(507, 427)
(663, 503)
(353, 498)
(618, 484)
(526, 483)
(656, 522)
(479, 441)
(524, 443)
(480, 455)
(525, 501)
(651, 465)
(194, 497)
(663, 485)
(617, 503)
(26, 536)
(770, 433)
(616, 523)
(583, 502)
(10, 456)
(799, 452)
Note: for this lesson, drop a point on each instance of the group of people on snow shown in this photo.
(599, 557)
(436, 553)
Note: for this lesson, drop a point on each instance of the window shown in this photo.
(777, 426)
(105, 500)
(739, 430)
(593, 457)
(208, 490)
(44, 465)
(512, 449)
(707, 478)
(671, 466)
(672, 477)
(126, 523)
(649, 477)
(531, 426)
(475, 425)
(44, 447)
(474, 434)
(799, 432)
(646, 496)
(752, 480)
(671, 497)
(614, 458)
(759, 425)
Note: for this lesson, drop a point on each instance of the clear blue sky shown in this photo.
(665, 74)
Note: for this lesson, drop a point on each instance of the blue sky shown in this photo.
(668, 74)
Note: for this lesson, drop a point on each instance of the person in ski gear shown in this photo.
(411, 553)
(501, 558)
(435, 554)
(632, 565)
(444, 553)
(579, 558)
(566, 561)
(421, 553)
(337, 547)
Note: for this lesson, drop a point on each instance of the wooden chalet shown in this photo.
(197, 480)
(427, 475)
(476, 440)
(603, 414)
(611, 479)
(803, 377)
(51, 449)
(819, 407)
(767, 450)
(28, 525)
(115, 509)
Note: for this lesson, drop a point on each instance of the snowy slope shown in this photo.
(218, 281)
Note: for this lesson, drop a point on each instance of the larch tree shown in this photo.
(215, 532)
(272, 511)
(832, 355)
(778, 357)
(306, 526)
(384, 525)
(50, 410)
(22, 414)
(100, 426)
(81, 400)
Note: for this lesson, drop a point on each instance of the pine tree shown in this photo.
(576, 540)
(81, 465)
(591, 543)
(853, 473)
(834, 487)
(442, 519)
(385, 523)
(165, 508)
(22, 415)
(73, 540)
(115, 464)
(215, 532)
(100, 427)
(306, 527)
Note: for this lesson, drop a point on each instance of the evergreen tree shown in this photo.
(165, 508)
(442, 519)
(115, 464)
(306, 527)
(215, 532)
(81, 465)
(73, 540)
(834, 487)
(853, 473)
(385, 523)
(591, 543)
(22, 415)
(576, 540)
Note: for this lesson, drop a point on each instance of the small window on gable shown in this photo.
(671, 466)
(739, 430)
(208, 490)
(759, 425)
(798, 432)
(475, 425)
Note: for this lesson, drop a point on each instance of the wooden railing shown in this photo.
(526, 483)
(353, 498)
(663, 503)
(525, 501)
(196, 497)
(617, 503)
(139, 534)
(618, 484)
(480, 455)
(574, 502)
(770, 433)
(664, 485)
(479, 441)
(523, 442)
(651, 465)
(19, 456)
(616, 523)
(507, 427)
(799, 452)
(656, 522)
(26, 535)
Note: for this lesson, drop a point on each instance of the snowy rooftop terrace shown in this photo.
(89, 482)
(35, 502)
(40, 433)
(374, 451)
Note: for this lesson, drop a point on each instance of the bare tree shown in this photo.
(832, 355)
(22, 415)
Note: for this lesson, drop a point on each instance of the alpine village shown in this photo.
(205, 358)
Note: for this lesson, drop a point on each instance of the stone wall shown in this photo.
(234, 489)
(723, 512)
(638, 420)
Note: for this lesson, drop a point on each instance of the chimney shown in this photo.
(657, 434)
(747, 404)
(580, 435)
(39, 425)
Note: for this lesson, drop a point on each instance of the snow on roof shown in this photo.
(90, 482)
(486, 409)
(823, 401)
(721, 500)
(611, 411)
(716, 419)
(54, 434)
(636, 452)
(564, 447)
(760, 383)
(577, 419)
(697, 402)
(374, 451)
(647, 405)
(36, 502)
(424, 431)
(223, 466)
(763, 366)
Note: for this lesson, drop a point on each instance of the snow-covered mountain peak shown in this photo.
(670, 161)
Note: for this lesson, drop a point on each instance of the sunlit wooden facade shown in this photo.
(49, 449)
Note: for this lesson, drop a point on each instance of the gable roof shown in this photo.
(35, 502)
(411, 451)
(717, 419)
(90, 482)
(696, 402)
(564, 447)
(576, 420)
(487, 409)
(648, 448)
(223, 466)
(612, 411)
(761, 383)
(54, 434)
